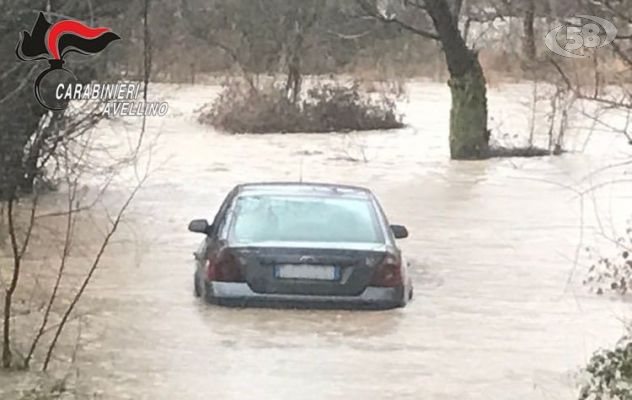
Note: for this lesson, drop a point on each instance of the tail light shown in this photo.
(224, 268)
(388, 273)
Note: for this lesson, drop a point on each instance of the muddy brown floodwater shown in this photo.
(499, 312)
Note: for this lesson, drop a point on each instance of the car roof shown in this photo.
(303, 188)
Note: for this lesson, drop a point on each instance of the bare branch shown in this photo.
(95, 264)
(72, 192)
(374, 13)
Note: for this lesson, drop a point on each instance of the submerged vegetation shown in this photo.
(245, 108)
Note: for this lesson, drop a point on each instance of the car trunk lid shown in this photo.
(317, 269)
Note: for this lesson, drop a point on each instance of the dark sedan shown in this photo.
(301, 245)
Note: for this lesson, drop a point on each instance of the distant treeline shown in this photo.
(190, 38)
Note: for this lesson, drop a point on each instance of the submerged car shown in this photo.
(301, 245)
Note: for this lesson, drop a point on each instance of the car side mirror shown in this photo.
(399, 231)
(200, 226)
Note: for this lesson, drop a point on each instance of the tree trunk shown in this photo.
(468, 117)
(294, 79)
(293, 83)
(469, 136)
(528, 40)
(7, 355)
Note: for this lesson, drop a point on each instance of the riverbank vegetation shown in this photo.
(608, 374)
(40, 151)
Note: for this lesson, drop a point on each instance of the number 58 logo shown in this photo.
(579, 37)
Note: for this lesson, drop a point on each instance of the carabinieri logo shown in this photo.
(53, 42)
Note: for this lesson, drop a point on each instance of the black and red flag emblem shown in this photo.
(53, 42)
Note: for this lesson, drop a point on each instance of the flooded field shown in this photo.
(499, 313)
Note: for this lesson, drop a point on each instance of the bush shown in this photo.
(339, 108)
(613, 273)
(610, 374)
(242, 108)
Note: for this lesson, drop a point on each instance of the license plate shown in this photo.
(305, 271)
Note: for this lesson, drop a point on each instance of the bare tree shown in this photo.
(469, 135)
(18, 249)
(60, 138)
(528, 27)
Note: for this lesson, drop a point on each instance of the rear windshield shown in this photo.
(304, 219)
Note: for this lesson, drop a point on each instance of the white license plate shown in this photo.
(306, 271)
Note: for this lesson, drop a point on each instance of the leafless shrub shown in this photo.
(244, 108)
